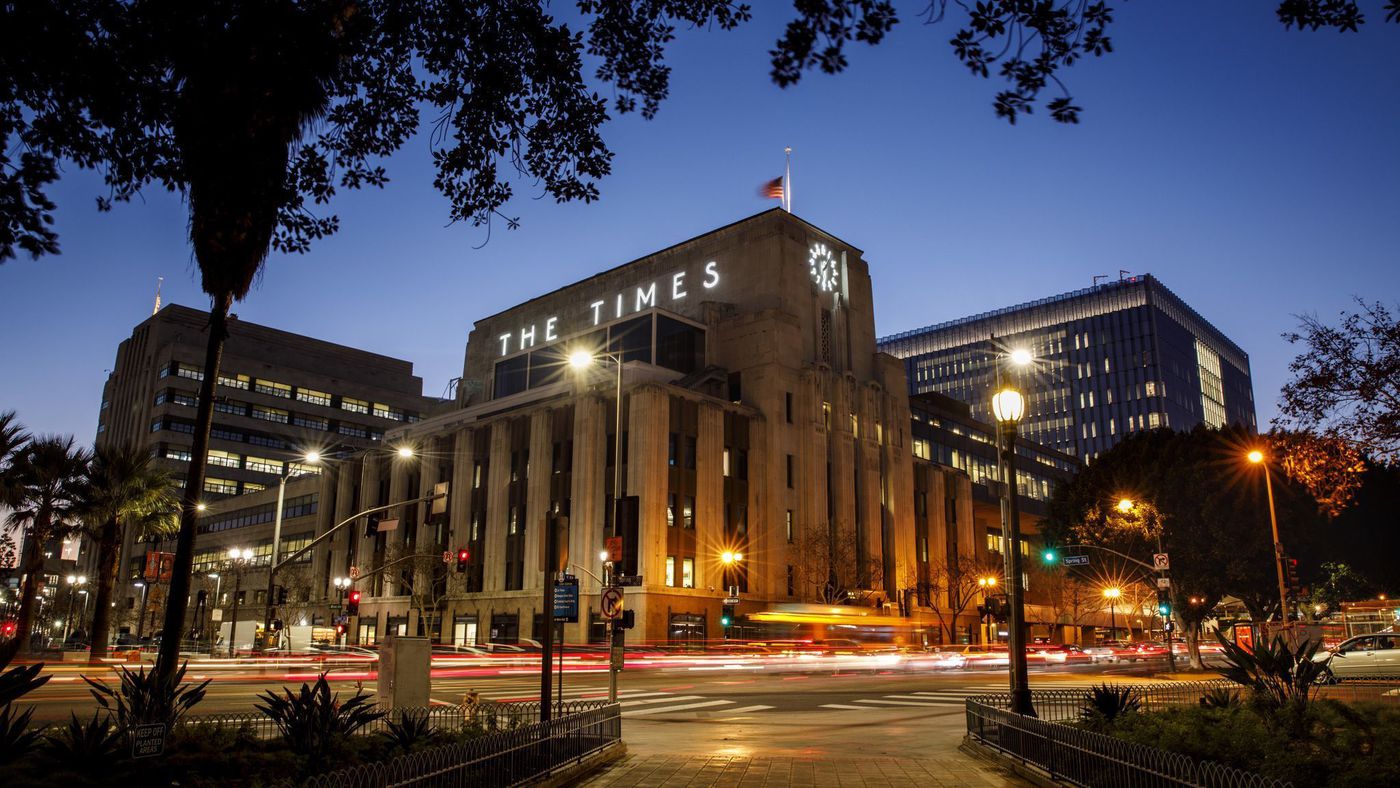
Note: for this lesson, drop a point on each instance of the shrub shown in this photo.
(89, 747)
(1104, 704)
(312, 720)
(1221, 698)
(1277, 672)
(411, 729)
(15, 737)
(142, 698)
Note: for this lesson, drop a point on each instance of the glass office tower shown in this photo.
(1109, 360)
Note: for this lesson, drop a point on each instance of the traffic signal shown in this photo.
(1050, 555)
(7, 629)
(372, 525)
(281, 595)
(629, 619)
(201, 596)
(276, 625)
(1290, 568)
(463, 557)
(726, 616)
(1164, 603)
(352, 603)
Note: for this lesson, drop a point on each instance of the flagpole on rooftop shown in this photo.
(787, 181)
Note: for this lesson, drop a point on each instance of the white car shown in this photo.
(1364, 656)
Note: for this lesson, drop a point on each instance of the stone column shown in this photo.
(591, 485)
(709, 496)
(537, 495)
(497, 510)
(646, 477)
(365, 558)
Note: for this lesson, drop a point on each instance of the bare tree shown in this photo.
(1068, 595)
(831, 570)
(953, 588)
(425, 578)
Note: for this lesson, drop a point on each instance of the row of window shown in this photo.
(275, 415)
(256, 439)
(228, 459)
(285, 391)
(300, 506)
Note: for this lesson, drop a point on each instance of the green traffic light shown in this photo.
(1049, 556)
(724, 621)
(1164, 609)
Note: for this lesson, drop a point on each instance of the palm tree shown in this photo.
(123, 489)
(12, 437)
(236, 128)
(45, 475)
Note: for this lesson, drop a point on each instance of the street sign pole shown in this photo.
(610, 607)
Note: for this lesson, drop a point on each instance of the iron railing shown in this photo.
(1092, 759)
(509, 757)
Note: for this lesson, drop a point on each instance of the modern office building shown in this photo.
(1108, 360)
(279, 395)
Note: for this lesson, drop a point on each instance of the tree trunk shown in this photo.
(1191, 632)
(33, 571)
(110, 560)
(178, 598)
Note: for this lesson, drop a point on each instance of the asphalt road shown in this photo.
(657, 696)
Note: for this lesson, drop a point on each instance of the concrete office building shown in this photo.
(279, 395)
(1110, 360)
(757, 418)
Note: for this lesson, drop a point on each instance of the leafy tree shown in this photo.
(257, 111)
(46, 474)
(1331, 468)
(952, 589)
(1340, 583)
(1346, 382)
(1195, 492)
(123, 488)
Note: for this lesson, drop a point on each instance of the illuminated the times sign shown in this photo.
(671, 288)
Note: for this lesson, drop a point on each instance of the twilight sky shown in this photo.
(1253, 169)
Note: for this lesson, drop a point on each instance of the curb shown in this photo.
(994, 757)
(574, 772)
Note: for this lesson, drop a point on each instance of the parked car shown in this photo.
(1062, 654)
(1365, 655)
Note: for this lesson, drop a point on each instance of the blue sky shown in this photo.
(1253, 169)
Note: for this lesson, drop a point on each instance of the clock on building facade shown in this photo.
(823, 267)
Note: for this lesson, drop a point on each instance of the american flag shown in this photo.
(773, 189)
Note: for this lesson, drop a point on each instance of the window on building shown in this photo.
(270, 414)
(671, 510)
(826, 415)
(352, 430)
(272, 387)
(672, 448)
(688, 512)
(236, 381)
(687, 573)
(189, 371)
(225, 459)
(387, 412)
(221, 486)
(263, 465)
(233, 406)
(314, 397)
(789, 526)
(180, 455)
(787, 405)
(354, 405)
(855, 426)
(790, 473)
(670, 570)
(311, 422)
(791, 586)
(688, 452)
(725, 461)
(921, 449)
(228, 435)
(513, 525)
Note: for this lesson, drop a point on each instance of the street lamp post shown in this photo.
(730, 560)
(987, 584)
(238, 561)
(1257, 457)
(1112, 595)
(141, 619)
(1009, 407)
(580, 360)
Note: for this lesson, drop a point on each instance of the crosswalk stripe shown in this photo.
(667, 699)
(659, 709)
(746, 709)
(844, 706)
(908, 702)
(925, 696)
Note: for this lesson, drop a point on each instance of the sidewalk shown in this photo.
(740, 771)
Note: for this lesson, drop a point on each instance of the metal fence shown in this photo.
(1067, 705)
(509, 757)
(1093, 759)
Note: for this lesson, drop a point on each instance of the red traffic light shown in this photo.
(8, 628)
(355, 596)
(463, 555)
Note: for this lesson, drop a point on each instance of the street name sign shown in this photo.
(629, 581)
(1075, 560)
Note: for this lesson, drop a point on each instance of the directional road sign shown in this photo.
(1075, 560)
(1160, 562)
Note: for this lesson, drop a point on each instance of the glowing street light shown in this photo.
(1256, 457)
(1112, 593)
(1021, 357)
(1125, 506)
(1009, 407)
(580, 359)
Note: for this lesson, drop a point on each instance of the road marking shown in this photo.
(745, 710)
(667, 699)
(659, 709)
(907, 702)
(844, 706)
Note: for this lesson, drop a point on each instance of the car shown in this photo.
(1061, 654)
(1372, 655)
(936, 658)
(1101, 652)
